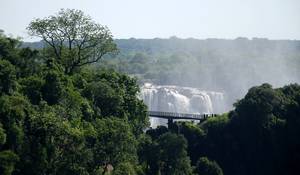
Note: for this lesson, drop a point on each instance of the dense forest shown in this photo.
(61, 114)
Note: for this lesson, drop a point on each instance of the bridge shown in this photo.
(173, 115)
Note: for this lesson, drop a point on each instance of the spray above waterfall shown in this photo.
(181, 99)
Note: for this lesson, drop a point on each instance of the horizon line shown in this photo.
(187, 38)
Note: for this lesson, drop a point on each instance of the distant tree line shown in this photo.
(232, 66)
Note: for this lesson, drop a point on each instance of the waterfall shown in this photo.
(180, 99)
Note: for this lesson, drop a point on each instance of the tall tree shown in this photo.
(173, 157)
(7, 77)
(74, 37)
(208, 167)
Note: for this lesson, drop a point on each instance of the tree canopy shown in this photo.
(75, 39)
(53, 122)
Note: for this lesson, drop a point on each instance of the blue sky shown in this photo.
(274, 19)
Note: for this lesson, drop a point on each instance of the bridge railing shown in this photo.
(175, 115)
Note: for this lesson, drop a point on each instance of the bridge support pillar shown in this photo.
(170, 122)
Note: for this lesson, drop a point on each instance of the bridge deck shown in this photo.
(174, 115)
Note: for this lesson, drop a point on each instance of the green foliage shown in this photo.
(195, 137)
(25, 60)
(7, 162)
(148, 154)
(52, 122)
(291, 139)
(73, 38)
(125, 168)
(2, 135)
(13, 111)
(8, 47)
(215, 123)
(173, 156)
(7, 77)
(115, 94)
(104, 97)
(207, 167)
(165, 155)
(155, 133)
(257, 137)
(32, 88)
(114, 143)
(54, 87)
(260, 103)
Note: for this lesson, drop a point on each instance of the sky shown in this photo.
(229, 19)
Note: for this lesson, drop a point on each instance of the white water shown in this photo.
(180, 99)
